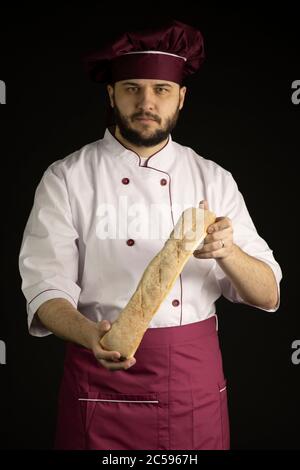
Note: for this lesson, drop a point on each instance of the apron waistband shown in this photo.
(179, 334)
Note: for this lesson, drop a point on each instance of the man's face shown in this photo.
(145, 110)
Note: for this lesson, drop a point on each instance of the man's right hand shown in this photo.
(108, 359)
(66, 322)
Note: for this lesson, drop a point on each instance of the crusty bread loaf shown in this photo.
(157, 281)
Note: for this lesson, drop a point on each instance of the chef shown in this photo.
(99, 216)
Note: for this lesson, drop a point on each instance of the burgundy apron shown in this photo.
(174, 397)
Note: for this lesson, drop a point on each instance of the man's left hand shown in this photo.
(219, 241)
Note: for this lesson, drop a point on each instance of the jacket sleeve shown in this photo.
(245, 236)
(48, 259)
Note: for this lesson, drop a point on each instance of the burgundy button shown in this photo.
(130, 242)
(163, 182)
(125, 181)
(175, 303)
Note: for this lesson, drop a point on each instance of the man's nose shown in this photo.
(146, 100)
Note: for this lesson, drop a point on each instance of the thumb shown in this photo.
(203, 205)
(104, 326)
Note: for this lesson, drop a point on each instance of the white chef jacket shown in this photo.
(99, 217)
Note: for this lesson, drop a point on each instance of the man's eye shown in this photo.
(132, 89)
(161, 90)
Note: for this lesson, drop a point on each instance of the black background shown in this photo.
(238, 112)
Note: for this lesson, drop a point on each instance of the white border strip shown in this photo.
(118, 401)
(155, 52)
(222, 390)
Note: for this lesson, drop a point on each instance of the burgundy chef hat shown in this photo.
(170, 52)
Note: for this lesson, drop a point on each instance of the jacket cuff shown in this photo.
(35, 326)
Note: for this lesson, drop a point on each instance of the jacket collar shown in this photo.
(161, 160)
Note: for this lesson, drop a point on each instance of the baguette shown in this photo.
(160, 275)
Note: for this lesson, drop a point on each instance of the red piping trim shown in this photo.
(46, 290)
(166, 173)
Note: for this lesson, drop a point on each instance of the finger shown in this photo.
(220, 235)
(210, 255)
(221, 224)
(118, 365)
(203, 204)
(101, 353)
(107, 355)
(210, 247)
(104, 327)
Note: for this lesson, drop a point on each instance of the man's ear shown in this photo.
(110, 91)
(182, 92)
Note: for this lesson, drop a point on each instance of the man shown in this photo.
(99, 216)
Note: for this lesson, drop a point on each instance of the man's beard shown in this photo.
(135, 137)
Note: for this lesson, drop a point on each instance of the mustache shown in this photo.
(145, 116)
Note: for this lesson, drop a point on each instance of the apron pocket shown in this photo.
(210, 415)
(224, 415)
(117, 421)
